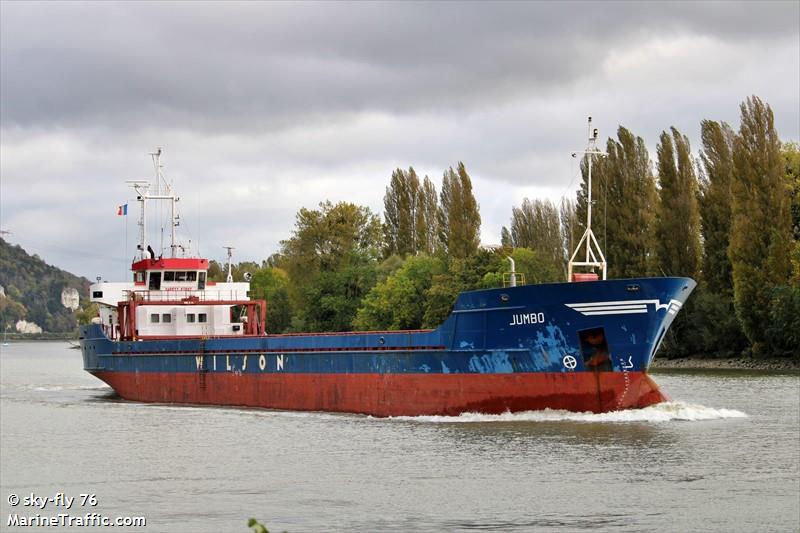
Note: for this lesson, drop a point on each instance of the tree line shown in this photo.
(728, 217)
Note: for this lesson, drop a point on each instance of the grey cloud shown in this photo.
(249, 66)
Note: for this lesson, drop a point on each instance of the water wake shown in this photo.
(662, 412)
(56, 388)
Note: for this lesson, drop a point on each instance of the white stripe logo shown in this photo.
(623, 307)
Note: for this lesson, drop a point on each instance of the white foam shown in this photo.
(662, 412)
(55, 388)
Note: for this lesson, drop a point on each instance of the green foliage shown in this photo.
(409, 214)
(85, 315)
(389, 266)
(11, 311)
(625, 199)
(791, 158)
(458, 216)
(272, 285)
(36, 286)
(783, 332)
(714, 327)
(399, 301)
(427, 218)
(257, 526)
(531, 266)
(215, 271)
(505, 238)
(331, 259)
(714, 330)
(535, 225)
(421, 293)
(715, 204)
(461, 275)
(538, 266)
(400, 203)
(677, 228)
(333, 297)
(219, 271)
(761, 221)
(677, 217)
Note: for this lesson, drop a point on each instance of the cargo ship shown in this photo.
(171, 335)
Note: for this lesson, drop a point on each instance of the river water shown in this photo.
(723, 456)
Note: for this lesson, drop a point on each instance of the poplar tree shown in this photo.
(400, 212)
(677, 230)
(761, 222)
(505, 238)
(535, 225)
(427, 218)
(409, 214)
(458, 215)
(677, 217)
(624, 195)
(715, 204)
(717, 328)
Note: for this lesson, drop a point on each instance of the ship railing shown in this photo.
(512, 279)
(179, 296)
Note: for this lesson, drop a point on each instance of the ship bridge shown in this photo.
(172, 297)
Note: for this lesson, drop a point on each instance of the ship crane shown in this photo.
(589, 247)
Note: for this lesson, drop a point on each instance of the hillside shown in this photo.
(33, 291)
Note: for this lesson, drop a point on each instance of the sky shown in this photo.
(264, 108)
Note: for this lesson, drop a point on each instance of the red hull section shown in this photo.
(395, 394)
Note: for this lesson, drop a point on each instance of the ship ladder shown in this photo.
(202, 365)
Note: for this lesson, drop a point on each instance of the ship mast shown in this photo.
(593, 256)
(163, 191)
(230, 249)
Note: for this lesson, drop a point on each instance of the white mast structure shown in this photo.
(163, 191)
(593, 256)
(230, 249)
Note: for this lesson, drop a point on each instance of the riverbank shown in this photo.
(733, 363)
(44, 336)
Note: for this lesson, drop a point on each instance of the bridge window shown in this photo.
(154, 318)
(166, 318)
(190, 318)
(191, 276)
(202, 317)
(169, 276)
(138, 277)
(97, 294)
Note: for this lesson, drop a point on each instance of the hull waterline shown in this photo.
(395, 394)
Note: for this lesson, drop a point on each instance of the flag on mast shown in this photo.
(122, 210)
